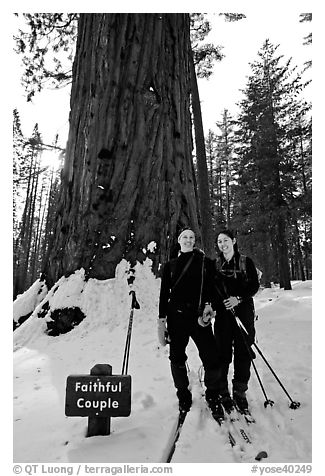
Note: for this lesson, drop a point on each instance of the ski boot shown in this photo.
(240, 401)
(215, 407)
(184, 400)
(227, 402)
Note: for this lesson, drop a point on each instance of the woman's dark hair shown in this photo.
(231, 235)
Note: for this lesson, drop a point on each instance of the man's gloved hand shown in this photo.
(207, 315)
(162, 331)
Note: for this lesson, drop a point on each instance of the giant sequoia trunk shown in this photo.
(128, 178)
(202, 170)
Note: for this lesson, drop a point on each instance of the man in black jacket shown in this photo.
(186, 291)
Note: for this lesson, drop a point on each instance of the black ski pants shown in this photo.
(183, 325)
(235, 345)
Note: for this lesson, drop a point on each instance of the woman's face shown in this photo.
(186, 240)
(226, 244)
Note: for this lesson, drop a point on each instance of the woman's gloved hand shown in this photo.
(231, 302)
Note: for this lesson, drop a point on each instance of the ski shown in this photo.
(237, 423)
(231, 421)
(234, 419)
(176, 435)
(220, 419)
(238, 436)
(246, 414)
(221, 422)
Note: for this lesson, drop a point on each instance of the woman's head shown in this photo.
(227, 242)
(186, 240)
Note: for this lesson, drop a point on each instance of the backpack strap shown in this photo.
(183, 272)
(201, 288)
(218, 263)
(242, 265)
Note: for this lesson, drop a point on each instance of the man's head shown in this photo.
(186, 240)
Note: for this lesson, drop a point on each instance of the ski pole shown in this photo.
(127, 346)
(224, 295)
(267, 400)
(294, 405)
(134, 305)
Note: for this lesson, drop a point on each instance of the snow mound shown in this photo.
(25, 303)
(102, 301)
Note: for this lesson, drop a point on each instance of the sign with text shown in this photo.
(98, 395)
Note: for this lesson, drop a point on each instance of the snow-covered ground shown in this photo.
(42, 432)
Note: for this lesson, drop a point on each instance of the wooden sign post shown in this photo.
(99, 425)
(99, 396)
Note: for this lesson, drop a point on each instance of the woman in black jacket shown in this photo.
(236, 282)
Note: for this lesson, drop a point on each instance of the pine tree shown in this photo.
(23, 242)
(225, 158)
(266, 179)
(33, 189)
(47, 45)
(50, 207)
(18, 171)
(210, 146)
(307, 17)
(300, 141)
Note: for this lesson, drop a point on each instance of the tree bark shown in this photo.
(128, 176)
(202, 170)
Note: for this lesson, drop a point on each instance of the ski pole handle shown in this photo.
(134, 303)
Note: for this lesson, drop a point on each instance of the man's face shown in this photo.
(186, 241)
